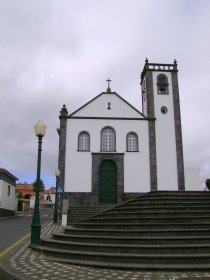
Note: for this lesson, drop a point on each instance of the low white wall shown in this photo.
(64, 220)
(192, 179)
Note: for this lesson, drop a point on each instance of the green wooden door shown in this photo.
(107, 182)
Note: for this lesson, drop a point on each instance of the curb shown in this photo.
(7, 275)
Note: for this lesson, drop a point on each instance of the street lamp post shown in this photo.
(55, 216)
(40, 129)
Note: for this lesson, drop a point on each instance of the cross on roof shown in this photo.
(108, 81)
(108, 89)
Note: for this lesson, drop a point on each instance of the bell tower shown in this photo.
(161, 105)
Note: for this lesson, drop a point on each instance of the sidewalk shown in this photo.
(23, 263)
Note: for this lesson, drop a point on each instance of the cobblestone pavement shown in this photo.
(26, 264)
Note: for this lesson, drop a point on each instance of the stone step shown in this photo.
(161, 214)
(159, 203)
(157, 240)
(87, 209)
(163, 205)
(171, 200)
(139, 219)
(178, 193)
(127, 248)
(174, 197)
(138, 232)
(148, 226)
(126, 258)
(163, 209)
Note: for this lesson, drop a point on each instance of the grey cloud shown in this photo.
(61, 52)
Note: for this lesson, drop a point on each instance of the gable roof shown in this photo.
(97, 108)
(4, 171)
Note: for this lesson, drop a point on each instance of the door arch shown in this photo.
(107, 182)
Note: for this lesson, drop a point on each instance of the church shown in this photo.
(109, 149)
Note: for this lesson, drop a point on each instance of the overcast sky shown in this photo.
(55, 52)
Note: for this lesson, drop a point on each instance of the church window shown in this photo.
(162, 84)
(108, 140)
(132, 142)
(84, 141)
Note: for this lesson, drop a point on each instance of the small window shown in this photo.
(108, 140)
(9, 190)
(132, 142)
(164, 110)
(162, 84)
(84, 141)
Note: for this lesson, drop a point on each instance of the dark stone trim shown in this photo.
(62, 145)
(80, 199)
(88, 199)
(97, 158)
(152, 134)
(178, 132)
(106, 118)
(102, 151)
(152, 155)
(154, 67)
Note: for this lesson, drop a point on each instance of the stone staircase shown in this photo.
(159, 230)
(77, 214)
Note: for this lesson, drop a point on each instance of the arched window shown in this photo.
(108, 139)
(162, 84)
(132, 142)
(84, 141)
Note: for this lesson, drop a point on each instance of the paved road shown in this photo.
(12, 229)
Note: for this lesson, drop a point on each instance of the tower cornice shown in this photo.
(158, 67)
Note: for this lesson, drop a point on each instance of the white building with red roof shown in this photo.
(7, 193)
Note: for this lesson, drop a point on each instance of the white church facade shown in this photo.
(108, 148)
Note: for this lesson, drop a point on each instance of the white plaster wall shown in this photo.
(64, 220)
(98, 108)
(137, 175)
(192, 179)
(165, 138)
(7, 202)
(78, 172)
